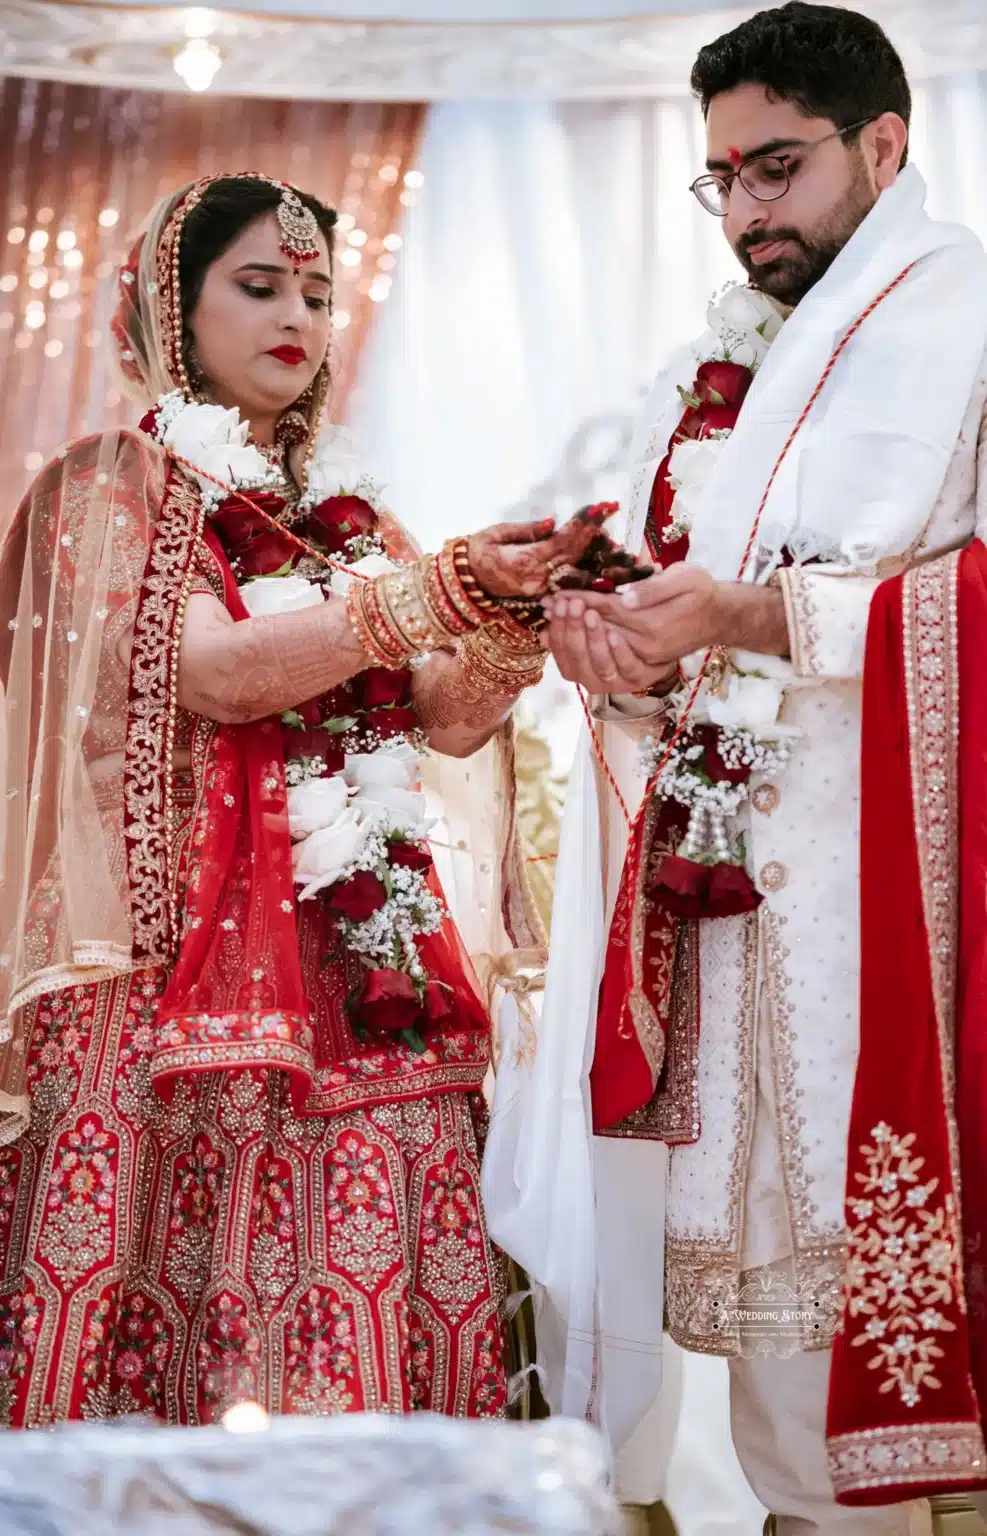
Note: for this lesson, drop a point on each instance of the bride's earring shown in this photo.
(193, 369)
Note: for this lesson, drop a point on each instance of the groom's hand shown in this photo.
(596, 654)
(654, 623)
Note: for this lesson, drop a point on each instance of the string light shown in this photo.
(53, 349)
(38, 279)
(350, 258)
(59, 289)
(72, 259)
(8, 282)
(341, 319)
(16, 235)
(109, 218)
(414, 179)
(34, 315)
(357, 237)
(392, 242)
(66, 240)
(38, 240)
(388, 174)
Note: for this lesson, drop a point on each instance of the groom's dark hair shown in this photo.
(826, 61)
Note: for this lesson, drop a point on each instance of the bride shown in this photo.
(244, 1041)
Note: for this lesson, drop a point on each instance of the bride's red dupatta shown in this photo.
(908, 1387)
(235, 997)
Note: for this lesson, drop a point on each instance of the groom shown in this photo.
(825, 435)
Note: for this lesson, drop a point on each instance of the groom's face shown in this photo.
(787, 244)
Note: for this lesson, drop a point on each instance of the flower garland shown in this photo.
(733, 731)
(355, 815)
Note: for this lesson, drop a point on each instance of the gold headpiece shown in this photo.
(299, 229)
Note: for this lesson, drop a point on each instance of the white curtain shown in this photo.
(554, 258)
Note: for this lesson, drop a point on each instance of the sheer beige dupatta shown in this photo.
(71, 566)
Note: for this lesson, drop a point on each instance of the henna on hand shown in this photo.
(517, 559)
(235, 672)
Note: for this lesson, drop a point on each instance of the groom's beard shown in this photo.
(790, 277)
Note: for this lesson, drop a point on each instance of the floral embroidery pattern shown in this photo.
(124, 1355)
(250, 1251)
(321, 1355)
(452, 1237)
(229, 1357)
(363, 1237)
(194, 1213)
(903, 1266)
(77, 1233)
(271, 1265)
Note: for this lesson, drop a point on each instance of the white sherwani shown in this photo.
(883, 472)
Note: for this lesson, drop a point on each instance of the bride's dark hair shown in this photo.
(220, 216)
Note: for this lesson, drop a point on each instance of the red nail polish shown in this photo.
(546, 525)
(601, 584)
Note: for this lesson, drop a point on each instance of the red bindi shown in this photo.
(734, 156)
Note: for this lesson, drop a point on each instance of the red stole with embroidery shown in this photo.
(908, 1387)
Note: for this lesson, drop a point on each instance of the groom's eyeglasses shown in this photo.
(765, 177)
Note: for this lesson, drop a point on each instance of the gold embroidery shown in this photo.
(773, 876)
(931, 681)
(803, 626)
(903, 1265)
(893, 1456)
(151, 716)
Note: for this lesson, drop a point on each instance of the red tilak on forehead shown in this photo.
(734, 156)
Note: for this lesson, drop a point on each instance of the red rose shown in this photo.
(248, 536)
(379, 685)
(359, 897)
(438, 1002)
(730, 381)
(681, 885)
(691, 424)
(716, 769)
(718, 418)
(409, 855)
(339, 518)
(262, 556)
(731, 891)
(313, 743)
(389, 1001)
(390, 722)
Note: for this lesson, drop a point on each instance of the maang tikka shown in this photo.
(299, 229)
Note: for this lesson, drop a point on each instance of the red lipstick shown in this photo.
(293, 356)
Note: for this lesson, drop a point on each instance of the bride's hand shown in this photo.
(517, 559)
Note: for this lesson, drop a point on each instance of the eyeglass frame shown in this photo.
(808, 145)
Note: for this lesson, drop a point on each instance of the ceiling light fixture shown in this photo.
(198, 63)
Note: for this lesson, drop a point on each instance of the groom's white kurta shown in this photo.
(883, 473)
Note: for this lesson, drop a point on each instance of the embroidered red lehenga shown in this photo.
(210, 1189)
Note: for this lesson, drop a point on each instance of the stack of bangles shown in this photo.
(438, 604)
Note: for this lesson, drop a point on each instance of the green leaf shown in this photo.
(285, 570)
(293, 720)
(692, 401)
(386, 878)
(414, 1041)
(338, 724)
(344, 527)
(715, 398)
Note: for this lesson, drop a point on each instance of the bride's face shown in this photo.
(261, 326)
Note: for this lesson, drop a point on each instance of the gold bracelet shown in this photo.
(499, 667)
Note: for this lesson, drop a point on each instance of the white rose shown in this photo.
(316, 804)
(397, 810)
(752, 703)
(320, 859)
(230, 463)
(198, 427)
(369, 565)
(745, 309)
(390, 768)
(693, 461)
(338, 468)
(266, 595)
